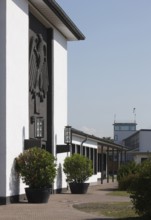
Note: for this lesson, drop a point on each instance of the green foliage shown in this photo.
(125, 182)
(126, 169)
(108, 139)
(140, 190)
(77, 168)
(36, 167)
(125, 174)
(137, 180)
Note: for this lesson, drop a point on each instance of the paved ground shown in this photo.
(60, 207)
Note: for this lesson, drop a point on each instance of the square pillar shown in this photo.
(13, 91)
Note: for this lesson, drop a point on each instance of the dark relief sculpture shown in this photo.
(38, 70)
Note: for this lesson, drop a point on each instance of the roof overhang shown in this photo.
(107, 145)
(51, 14)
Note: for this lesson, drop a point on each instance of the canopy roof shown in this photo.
(100, 141)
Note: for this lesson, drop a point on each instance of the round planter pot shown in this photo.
(37, 195)
(78, 188)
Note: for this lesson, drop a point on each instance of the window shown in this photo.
(132, 128)
(125, 127)
(39, 127)
(116, 128)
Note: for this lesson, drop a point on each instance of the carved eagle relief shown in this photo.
(38, 69)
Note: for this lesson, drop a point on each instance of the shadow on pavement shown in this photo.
(130, 218)
(107, 189)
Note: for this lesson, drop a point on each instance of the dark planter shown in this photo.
(78, 188)
(37, 195)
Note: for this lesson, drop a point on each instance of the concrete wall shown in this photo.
(60, 181)
(14, 87)
(145, 141)
(60, 86)
(122, 135)
(60, 102)
(3, 97)
(139, 157)
(14, 100)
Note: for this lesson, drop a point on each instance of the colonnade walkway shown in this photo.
(60, 207)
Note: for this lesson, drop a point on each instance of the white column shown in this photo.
(13, 89)
(60, 86)
(3, 98)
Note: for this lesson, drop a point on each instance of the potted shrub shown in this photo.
(78, 169)
(37, 168)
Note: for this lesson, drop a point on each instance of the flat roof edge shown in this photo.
(98, 139)
(55, 7)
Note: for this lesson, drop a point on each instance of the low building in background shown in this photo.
(106, 155)
(137, 142)
(139, 145)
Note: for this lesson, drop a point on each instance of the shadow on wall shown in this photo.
(59, 178)
(21, 5)
(14, 183)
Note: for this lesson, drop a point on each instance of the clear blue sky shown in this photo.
(110, 71)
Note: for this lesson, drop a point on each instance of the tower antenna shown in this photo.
(134, 113)
(114, 118)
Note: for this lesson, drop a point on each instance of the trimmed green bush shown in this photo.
(77, 168)
(36, 167)
(140, 190)
(125, 175)
(125, 182)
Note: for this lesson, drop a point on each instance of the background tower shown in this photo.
(122, 130)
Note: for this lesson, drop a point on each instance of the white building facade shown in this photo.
(33, 92)
(21, 21)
